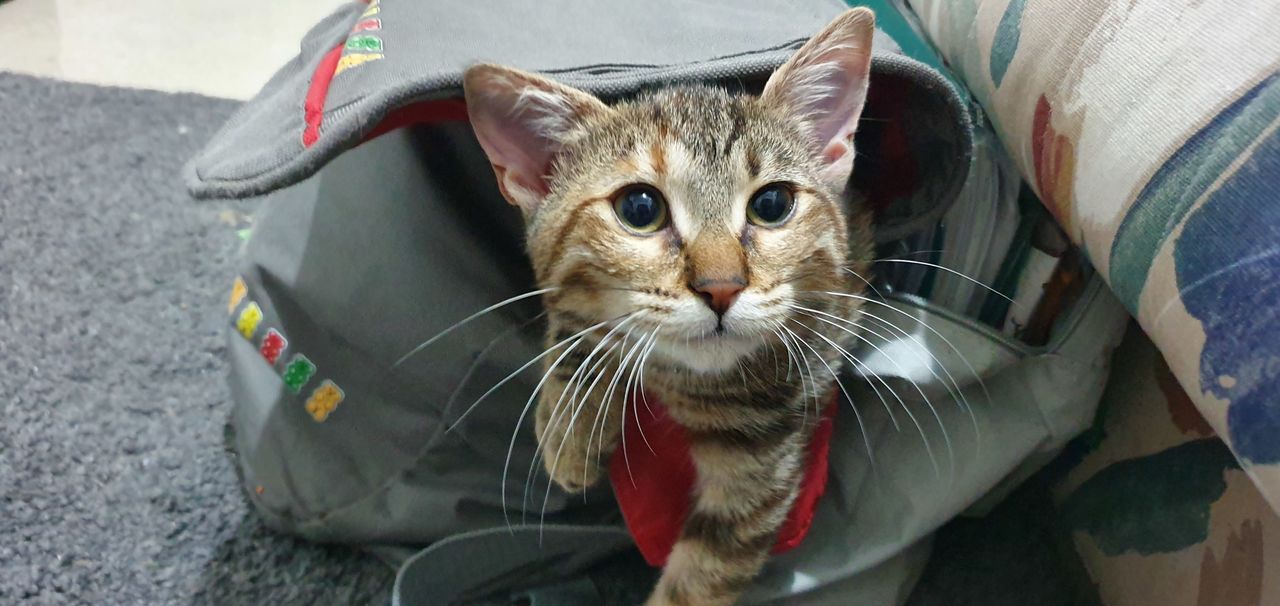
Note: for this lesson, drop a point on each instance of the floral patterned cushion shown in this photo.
(1151, 130)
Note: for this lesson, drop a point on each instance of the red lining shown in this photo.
(316, 94)
(442, 110)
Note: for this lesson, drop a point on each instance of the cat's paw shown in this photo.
(573, 472)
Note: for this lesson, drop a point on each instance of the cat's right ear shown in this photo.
(825, 83)
(522, 120)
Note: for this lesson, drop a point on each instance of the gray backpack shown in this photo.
(381, 226)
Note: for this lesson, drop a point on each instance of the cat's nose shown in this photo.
(719, 295)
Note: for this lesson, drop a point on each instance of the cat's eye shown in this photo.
(770, 205)
(640, 208)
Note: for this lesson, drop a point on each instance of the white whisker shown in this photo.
(630, 389)
(568, 430)
(464, 321)
(509, 377)
(607, 401)
(957, 394)
(813, 387)
(629, 398)
(888, 410)
(946, 437)
(871, 382)
(787, 345)
(648, 351)
(923, 325)
(554, 416)
(859, 276)
(576, 339)
(951, 384)
(866, 440)
(952, 272)
(471, 369)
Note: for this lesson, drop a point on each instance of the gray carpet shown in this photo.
(114, 488)
(113, 484)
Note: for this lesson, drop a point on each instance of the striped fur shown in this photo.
(746, 386)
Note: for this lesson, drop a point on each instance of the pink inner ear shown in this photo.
(517, 163)
(834, 152)
(519, 155)
(825, 83)
(831, 90)
(521, 121)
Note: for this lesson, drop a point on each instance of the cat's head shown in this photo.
(709, 213)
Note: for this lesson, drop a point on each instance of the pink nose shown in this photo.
(718, 294)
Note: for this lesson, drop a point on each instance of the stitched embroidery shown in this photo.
(273, 345)
(238, 292)
(351, 61)
(298, 372)
(371, 44)
(365, 48)
(324, 400)
(249, 320)
(368, 25)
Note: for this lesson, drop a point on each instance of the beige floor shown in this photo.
(223, 48)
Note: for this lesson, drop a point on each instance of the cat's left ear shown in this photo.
(522, 120)
(825, 83)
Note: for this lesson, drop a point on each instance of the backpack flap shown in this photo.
(370, 68)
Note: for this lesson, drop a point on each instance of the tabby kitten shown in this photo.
(692, 232)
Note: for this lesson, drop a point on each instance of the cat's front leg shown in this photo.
(577, 427)
(747, 482)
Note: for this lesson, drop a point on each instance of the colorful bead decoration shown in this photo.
(249, 320)
(300, 369)
(368, 25)
(366, 47)
(238, 292)
(298, 372)
(367, 44)
(273, 345)
(324, 400)
(351, 61)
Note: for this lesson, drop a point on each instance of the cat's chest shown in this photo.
(749, 397)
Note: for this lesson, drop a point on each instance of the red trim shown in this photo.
(316, 94)
(442, 110)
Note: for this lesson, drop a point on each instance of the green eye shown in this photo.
(771, 205)
(640, 208)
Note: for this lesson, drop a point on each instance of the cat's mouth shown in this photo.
(718, 349)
